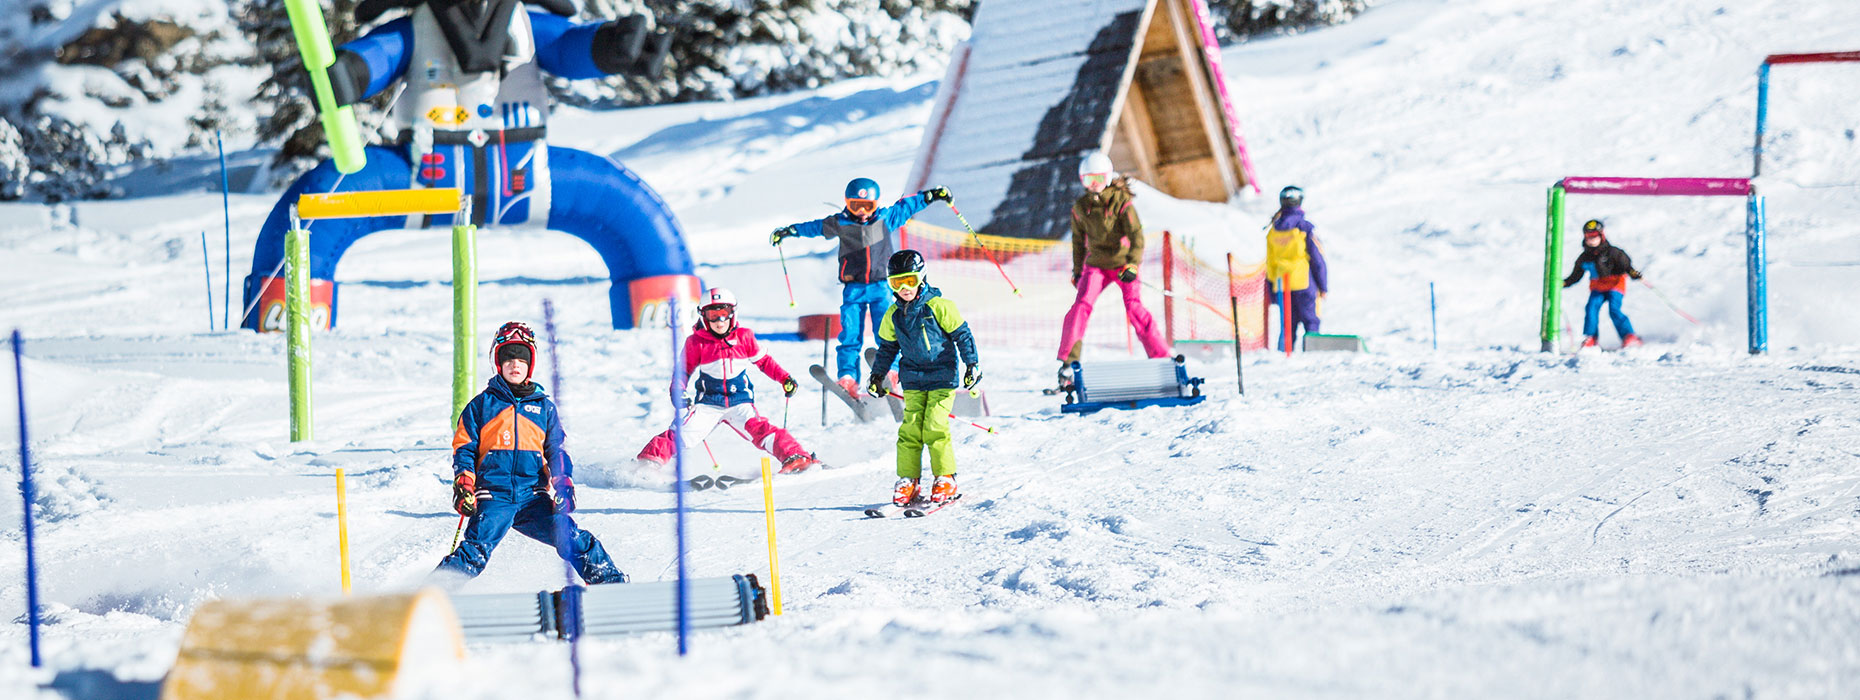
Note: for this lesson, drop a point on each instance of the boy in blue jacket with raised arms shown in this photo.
(508, 462)
(864, 231)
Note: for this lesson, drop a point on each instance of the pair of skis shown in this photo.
(917, 509)
(863, 410)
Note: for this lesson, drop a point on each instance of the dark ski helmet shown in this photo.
(905, 262)
(514, 341)
(1291, 196)
(1592, 226)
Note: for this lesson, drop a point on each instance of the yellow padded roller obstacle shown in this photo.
(348, 205)
(300, 649)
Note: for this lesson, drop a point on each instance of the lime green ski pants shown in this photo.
(926, 424)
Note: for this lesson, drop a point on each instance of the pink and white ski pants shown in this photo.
(702, 419)
(1092, 284)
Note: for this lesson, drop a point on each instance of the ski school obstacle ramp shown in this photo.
(373, 646)
(1041, 83)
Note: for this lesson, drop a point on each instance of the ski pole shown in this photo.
(458, 532)
(713, 456)
(785, 400)
(984, 246)
(1671, 305)
(784, 274)
(990, 431)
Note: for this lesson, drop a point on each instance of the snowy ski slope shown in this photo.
(1478, 521)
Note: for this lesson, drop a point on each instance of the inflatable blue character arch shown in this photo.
(475, 116)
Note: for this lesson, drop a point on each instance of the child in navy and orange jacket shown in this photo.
(507, 458)
(1608, 268)
(864, 231)
(718, 355)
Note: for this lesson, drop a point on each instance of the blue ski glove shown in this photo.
(937, 194)
(972, 376)
(780, 233)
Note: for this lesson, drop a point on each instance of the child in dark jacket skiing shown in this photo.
(718, 355)
(864, 231)
(507, 457)
(1608, 268)
(926, 333)
(1107, 249)
(1294, 264)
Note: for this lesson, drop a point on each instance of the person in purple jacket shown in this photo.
(1294, 263)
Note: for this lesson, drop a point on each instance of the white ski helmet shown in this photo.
(1097, 163)
(717, 296)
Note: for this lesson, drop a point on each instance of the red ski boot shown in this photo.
(797, 463)
(904, 492)
(1588, 341)
(1631, 341)
(944, 490)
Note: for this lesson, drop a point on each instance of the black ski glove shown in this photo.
(564, 494)
(1128, 275)
(780, 233)
(1634, 274)
(937, 194)
(788, 386)
(876, 385)
(626, 47)
(972, 376)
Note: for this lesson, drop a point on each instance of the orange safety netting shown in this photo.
(1189, 298)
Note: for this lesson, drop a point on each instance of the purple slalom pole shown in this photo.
(563, 535)
(678, 476)
(25, 492)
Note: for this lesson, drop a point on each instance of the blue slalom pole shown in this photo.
(564, 537)
(1763, 114)
(678, 476)
(226, 216)
(206, 266)
(25, 492)
(1433, 314)
(1756, 276)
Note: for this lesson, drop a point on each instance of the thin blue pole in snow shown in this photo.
(1757, 276)
(225, 216)
(678, 476)
(206, 266)
(1433, 314)
(564, 535)
(1763, 114)
(25, 492)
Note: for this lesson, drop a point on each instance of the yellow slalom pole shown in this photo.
(768, 509)
(342, 527)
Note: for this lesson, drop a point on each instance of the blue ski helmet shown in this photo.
(862, 188)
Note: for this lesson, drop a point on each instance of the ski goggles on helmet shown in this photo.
(861, 207)
(1092, 180)
(1592, 228)
(719, 312)
(514, 332)
(903, 281)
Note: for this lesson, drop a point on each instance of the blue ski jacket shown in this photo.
(929, 334)
(865, 244)
(509, 442)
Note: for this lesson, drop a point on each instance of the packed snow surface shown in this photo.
(1481, 520)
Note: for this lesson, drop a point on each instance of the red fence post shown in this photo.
(1169, 286)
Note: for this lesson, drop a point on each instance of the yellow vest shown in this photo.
(1286, 259)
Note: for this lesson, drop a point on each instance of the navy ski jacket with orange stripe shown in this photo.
(509, 441)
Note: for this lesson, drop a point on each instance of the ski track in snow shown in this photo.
(1483, 520)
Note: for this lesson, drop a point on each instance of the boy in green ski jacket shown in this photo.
(926, 332)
